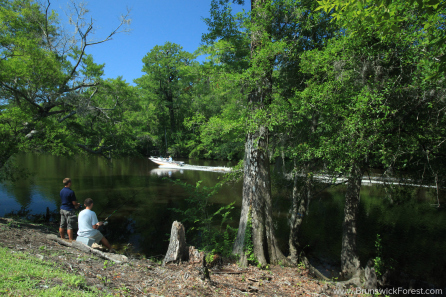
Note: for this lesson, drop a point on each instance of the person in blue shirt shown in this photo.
(170, 159)
(68, 217)
(88, 225)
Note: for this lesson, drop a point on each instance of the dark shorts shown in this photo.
(68, 218)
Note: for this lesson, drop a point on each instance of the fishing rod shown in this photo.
(105, 221)
(125, 202)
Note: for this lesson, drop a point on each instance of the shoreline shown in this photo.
(143, 277)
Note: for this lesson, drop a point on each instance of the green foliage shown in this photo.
(395, 17)
(109, 126)
(357, 98)
(382, 263)
(207, 229)
(379, 263)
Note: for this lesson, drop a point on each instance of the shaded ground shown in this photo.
(142, 277)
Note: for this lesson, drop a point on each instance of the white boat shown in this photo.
(165, 162)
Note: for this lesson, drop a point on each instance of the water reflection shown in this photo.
(165, 172)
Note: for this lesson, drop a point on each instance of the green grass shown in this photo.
(25, 275)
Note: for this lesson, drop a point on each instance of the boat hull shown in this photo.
(163, 162)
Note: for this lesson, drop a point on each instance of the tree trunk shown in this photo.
(257, 196)
(239, 243)
(254, 191)
(256, 180)
(299, 208)
(296, 218)
(283, 161)
(275, 254)
(349, 257)
(178, 250)
(171, 112)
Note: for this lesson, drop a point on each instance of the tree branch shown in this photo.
(23, 95)
(96, 152)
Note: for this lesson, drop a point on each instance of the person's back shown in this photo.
(67, 197)
(67, 214)
(87, 218)
(88, 225)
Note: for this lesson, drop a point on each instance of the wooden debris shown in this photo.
(80, 246)
(195, 256)
(229, 271)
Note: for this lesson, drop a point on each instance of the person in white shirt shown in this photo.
(88, 225)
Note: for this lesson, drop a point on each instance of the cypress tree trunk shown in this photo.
(257, 196)
(349, 257)
(299, 208)
(254, 191)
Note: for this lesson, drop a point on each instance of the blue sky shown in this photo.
(153, 23)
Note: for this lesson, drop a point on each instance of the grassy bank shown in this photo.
(23, 275)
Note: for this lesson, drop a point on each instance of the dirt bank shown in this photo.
(143, 277)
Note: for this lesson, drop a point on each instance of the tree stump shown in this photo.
(203, 271)
(178, 250)
(195, 256)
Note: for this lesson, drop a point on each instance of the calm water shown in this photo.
(137, 184)
(413, 233)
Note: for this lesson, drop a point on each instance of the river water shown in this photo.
(412, 232)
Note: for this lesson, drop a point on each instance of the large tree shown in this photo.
(271, 27)
(167, 85)
(46, 78)
(374, 97)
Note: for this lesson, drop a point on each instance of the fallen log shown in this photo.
(226, 271)
(311, 269)
(86, 249)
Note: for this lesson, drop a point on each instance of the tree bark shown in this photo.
(349, 258)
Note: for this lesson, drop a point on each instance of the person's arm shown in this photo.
(95, 222)
(96, 226)
(75, 203)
